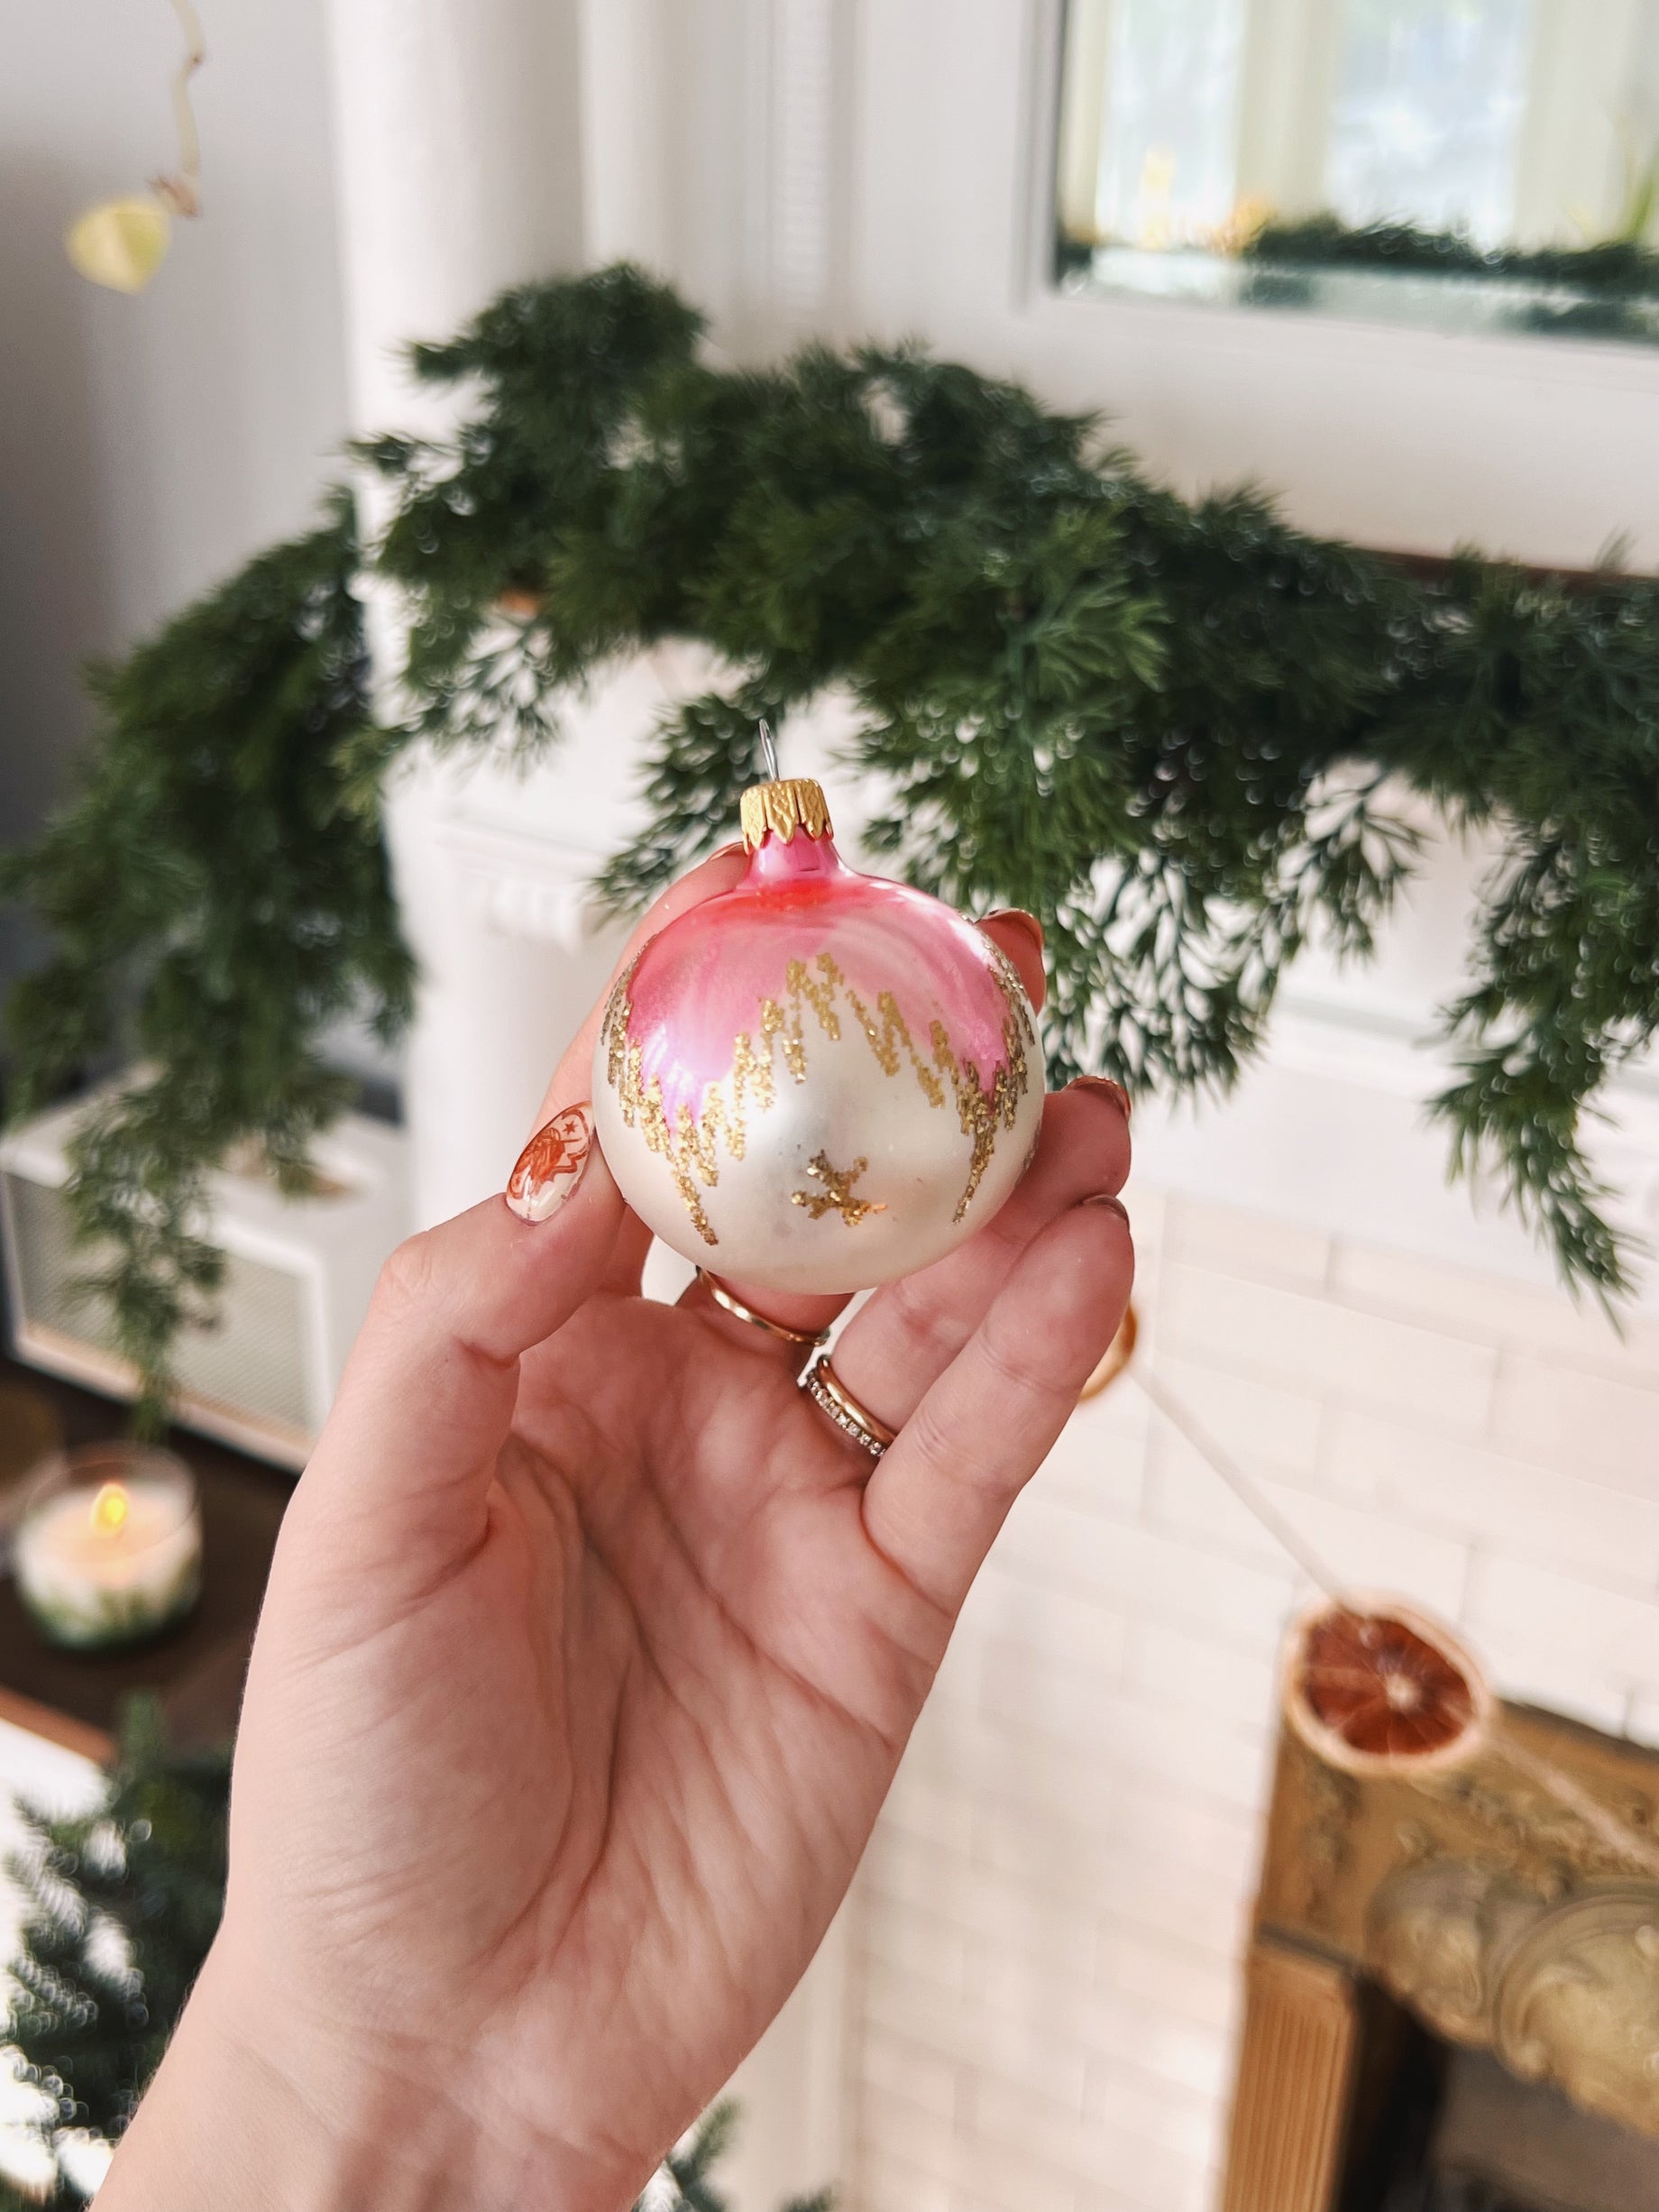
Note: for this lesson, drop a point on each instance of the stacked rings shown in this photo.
(723, 1298)
(831, 1396)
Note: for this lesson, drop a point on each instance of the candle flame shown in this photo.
(109, 1508)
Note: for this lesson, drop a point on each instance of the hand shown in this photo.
(590, 1649)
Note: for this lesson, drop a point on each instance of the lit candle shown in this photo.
(109, 1545)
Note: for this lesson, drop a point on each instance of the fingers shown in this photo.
(941, 1493)
(893, 1351)
(426, 1400)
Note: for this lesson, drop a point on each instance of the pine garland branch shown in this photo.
(216, 904)
(121, 1904)
(1176, 732)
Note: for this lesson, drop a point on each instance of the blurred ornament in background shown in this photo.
(121, 242)
(818, 1080)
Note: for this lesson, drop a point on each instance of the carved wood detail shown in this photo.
(1296, 2067)
(1509, 1902)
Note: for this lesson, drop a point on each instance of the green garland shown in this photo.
(1169, 729)
(91, 2017)
(216, 906)
(1624, 268)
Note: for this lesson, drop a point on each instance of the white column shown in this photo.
(458, 154)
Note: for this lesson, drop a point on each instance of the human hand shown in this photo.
(590, 1649)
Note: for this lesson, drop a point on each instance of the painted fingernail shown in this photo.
(1118, 1096)
(1113, 1206)
(1028, 922)
(550, 1166)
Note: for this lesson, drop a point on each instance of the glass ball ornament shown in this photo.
(818, 1080)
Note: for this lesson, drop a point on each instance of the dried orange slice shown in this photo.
(1374, 1686)
(1115, 1358)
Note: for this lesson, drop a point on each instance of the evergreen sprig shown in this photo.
(121, 1904)
(216, 906)
(1625, 268)
(1177, 732)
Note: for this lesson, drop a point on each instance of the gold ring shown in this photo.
(718, 1291)
(824, 1387)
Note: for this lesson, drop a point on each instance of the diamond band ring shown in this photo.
(831, 1396)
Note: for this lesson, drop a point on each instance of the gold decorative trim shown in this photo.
(691, 1144)
(1296, 2067)
(788, 804)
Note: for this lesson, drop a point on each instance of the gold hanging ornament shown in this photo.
(121, 242)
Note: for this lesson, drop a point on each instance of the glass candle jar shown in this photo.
(108, 1547)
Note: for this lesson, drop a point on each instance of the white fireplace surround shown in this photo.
(850, 167)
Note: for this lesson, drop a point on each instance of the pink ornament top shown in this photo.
(860, 948)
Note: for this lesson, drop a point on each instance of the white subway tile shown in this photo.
(1181, 1666)
(1187, 1498)
(1371, 1550)
(1560, 1623)
(911, 1939)
(908, 2070)
(920, 1807)
(1528, 1677)
(1017, 2047)
(1160, 2045)
(1234, 1242)
(1262, 1425)
(1011, 1610)
(1135, 1964)
(1102, 1876)
(884, 2181)
(1020, 1692)
(1146, 1571)
(1357, 1546)
(1099, 1459)
(1181, 2120)
(1589, 1425)
(1489, 1307)
(1506, 1503)
(1091, 2147)
(1311, 1344)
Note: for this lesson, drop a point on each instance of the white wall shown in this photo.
(147, 444)
(1048, 1923)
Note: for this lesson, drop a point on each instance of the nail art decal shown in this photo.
(550, 1165)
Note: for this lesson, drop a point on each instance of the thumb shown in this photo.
(402, 1470)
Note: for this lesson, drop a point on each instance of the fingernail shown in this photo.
(725, 852)
(1113, 1206)
(1021, 919)
(550, 1166)
(1118, 1096)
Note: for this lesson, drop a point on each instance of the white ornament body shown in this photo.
(819, 1081)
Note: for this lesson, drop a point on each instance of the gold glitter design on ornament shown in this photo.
(690, 1144)
(836, 1195)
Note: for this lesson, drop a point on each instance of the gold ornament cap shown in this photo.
(783, 805)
